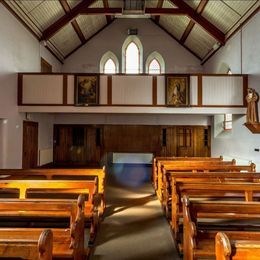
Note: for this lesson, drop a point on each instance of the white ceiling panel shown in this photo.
(240, 6)
(73, 3)
(168, 4)
(97, 4)
(192, 3)
(199, 41)
(66, 40)
(46, 13)
(115, 3)
(151, 3)
(27, 5)
(176, 25)
(90, 24)
(220, 15)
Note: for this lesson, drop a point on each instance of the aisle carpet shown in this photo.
(134, 227)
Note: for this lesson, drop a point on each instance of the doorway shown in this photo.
(30, 144)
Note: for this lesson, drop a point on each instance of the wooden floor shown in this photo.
(134, 227)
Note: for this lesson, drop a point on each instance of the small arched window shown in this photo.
(132, 58)
(110, 67)
(154, 67)
(155, 63)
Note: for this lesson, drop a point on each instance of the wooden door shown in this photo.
(185, 139)
(62, 145)
(30, 144)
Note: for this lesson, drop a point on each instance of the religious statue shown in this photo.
(251, 98)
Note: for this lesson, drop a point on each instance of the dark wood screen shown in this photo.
(88, 144)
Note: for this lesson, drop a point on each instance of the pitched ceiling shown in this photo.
(201, 26)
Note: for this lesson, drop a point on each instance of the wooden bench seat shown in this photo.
(156, 161)
(208, 191)
(67, 242)
(201, 167)
(172, 178)
(43, 188)
(61, 174)
(24, 244)
(238, 249)
(195, 244)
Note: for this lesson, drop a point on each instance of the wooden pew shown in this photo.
(68, 242)
(23, 245)
(239, 249)
(44, 188)
(209, 191)
(61, 174)
(200, 167)
(157, 160)
(170, 179)
(198, 240)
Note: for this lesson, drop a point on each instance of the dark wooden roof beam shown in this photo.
(191, 24)
(106, 5)
(64, 20)
(200, 20)
(159, 5)
(74, 23)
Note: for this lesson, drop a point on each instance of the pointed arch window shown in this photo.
(110, 67)
(155, 63)
(154, 67)
(132, 58)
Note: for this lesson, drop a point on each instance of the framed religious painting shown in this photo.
(177, 90)
(86, 90)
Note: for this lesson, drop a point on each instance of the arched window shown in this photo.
(132, 55)
(110, 67)
(155, 63)
(132, 58)
(109, 63)
(154, 67)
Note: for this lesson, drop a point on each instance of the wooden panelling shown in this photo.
(57, 89)
(225, 91)
(159, 140)
(44, 89)
(160, 90)
(103, 91)
(132, 90)
(194, 90)
(70, 89)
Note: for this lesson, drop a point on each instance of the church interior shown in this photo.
(129, 129)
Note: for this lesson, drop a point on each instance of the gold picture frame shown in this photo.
(86, 90)
(177, 90)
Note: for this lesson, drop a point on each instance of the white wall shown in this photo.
(19, 52)
(177, 58)
(241, 143)
(132, 119)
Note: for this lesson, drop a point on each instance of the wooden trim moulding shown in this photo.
(65, 90)
(200, 89)
(20, 89)
(245, 86)
(109, 90)
(154, 90)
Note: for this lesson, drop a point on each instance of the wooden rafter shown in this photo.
(176, 39)
(92, 36)
(200, 20)
(191, 24)
(64, 20)
(159, 5)
(74, 23)
(106, 5)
